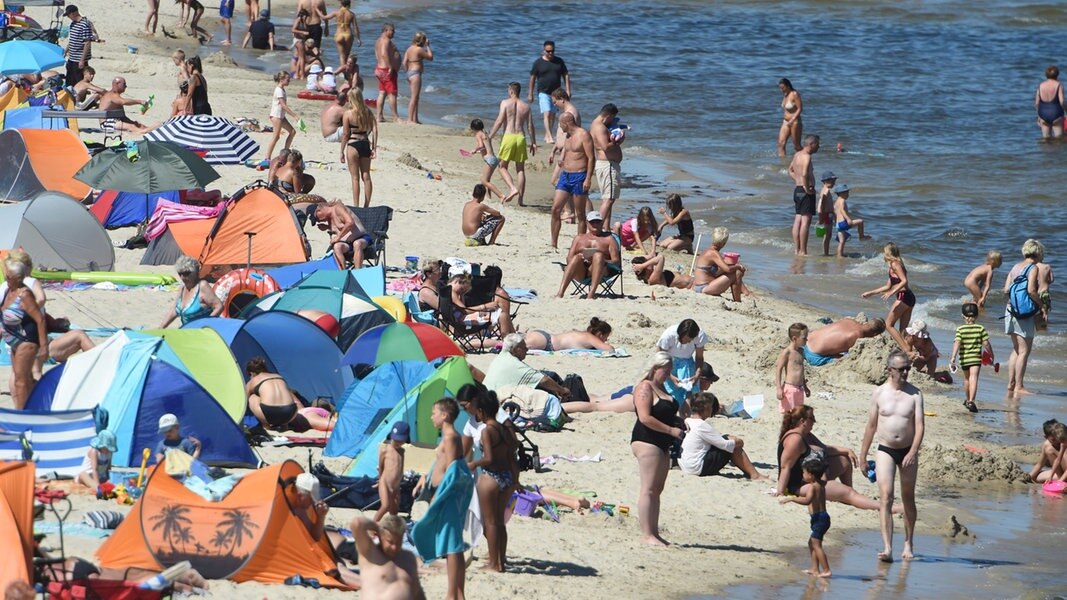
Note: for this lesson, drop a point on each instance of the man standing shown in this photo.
(608, 157)
(260, 32)
(79, 44)
(803, 174)
(551, 73)
(592, 255)
(575, 174)
(515, 116)
(897, 416)
(386, 70)
(316, 10)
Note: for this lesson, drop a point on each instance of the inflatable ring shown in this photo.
(392, 305)
(239, 288)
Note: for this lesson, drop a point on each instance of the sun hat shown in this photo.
(329, 69)
(308, 484)
(841, 189)
(104, 439)
(827, 176)
(401, 432)
(593, 215)
(316, 68)
(166, 422)
(918, 329)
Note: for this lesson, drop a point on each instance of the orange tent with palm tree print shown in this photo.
(250, 535)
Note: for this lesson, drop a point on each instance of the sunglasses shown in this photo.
(901, 369)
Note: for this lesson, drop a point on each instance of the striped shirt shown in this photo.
(971, 336)
(80, 33)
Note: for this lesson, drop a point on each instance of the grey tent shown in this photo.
(57, 232)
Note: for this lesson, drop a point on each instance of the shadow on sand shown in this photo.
(536, 566)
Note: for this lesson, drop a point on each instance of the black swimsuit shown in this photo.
(796, 474)
(665, 411)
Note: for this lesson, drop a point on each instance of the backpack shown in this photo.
(1020, 304)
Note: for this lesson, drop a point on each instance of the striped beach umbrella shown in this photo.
(225, 143)
(400, 341)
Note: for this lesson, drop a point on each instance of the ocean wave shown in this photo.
(454, 118)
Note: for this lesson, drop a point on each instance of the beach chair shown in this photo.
(483, 290)
(375, 221)
(411, 302)
(580, 287)
(469, 335)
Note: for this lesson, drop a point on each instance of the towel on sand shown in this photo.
(440, 532)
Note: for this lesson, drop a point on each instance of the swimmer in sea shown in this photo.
(1049, 103)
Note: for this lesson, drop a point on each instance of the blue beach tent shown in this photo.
(371, 279)
(121, 209)
(294, 347)
(59, 440)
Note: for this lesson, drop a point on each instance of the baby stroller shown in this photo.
(529, 457)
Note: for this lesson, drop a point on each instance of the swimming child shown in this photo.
(824, 205)
(792, 387)
(844, 221)
(972, 340)
(1052, 454)
(815, 499)
(484, 147)
(96, 467)
(978, 280)
(391, 469)
(171, 431)
(633, 232)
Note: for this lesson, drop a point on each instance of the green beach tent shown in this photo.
(211, 364)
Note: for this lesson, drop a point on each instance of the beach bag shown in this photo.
(1020, 304)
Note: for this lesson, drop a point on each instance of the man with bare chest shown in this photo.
(593, 254)
(803, 174)
(608, 157)
(516, 118)
(316, 10)
(896, 416)
(575, 175)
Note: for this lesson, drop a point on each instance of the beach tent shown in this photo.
(294, 347)
(59, 440)
(222, 241)
(414, 409)
(250, 535)
(16, 522)
(31, 117)
(121, 209)
(371, 279)
(366, 403)
(137, 378)
(35, 160)
(57, 232)
(337, 293)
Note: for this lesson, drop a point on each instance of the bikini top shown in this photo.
(192, 311)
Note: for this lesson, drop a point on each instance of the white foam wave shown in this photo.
(432, 88)
(453, 118)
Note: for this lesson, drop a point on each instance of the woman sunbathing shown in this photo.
(652, 272)
(276, 406)
(595, 337)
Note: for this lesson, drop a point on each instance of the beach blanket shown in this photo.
(405, 284)
(440, 532)
(173, 212)
(521, 293)
(616, 353)
(534, 405)
(78, 529)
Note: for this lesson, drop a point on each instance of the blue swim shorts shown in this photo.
(820, 524)
(816, 360)
(545, 102)
(226, 9)
(572, 183)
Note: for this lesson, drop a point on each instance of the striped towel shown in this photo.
(60, 440)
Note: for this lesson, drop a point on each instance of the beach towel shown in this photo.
(440, 532)
(521, 293)
(173, 212)
(616, 353)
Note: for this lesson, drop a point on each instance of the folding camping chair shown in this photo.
(469, 335)
(411, 302)
(484, 289)
(375, 221)
(580, 287)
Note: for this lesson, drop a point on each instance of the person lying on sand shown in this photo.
(652, 272)
(595, 337)
(830, 342)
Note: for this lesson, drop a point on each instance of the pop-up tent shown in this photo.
(253, 534)
(16, 522)
(294, 347)
(137, 378)
(35, 160)
(57, 232)
(337, 293)
(121, 209)
(57, 440)
(371, 279)
(414, 409)
(278, 239)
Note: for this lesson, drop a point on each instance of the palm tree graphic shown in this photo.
(220, 540)
(236, 525)
(174, 523)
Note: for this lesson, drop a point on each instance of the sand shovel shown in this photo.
(144, 465)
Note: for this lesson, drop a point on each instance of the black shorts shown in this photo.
(803, 202)
(315, 33)
(714, 461)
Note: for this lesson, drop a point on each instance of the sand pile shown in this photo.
(959, 465)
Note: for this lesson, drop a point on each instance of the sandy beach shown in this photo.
(725, 530)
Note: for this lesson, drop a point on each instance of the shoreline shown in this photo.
(744, 335)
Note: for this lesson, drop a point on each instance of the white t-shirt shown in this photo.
(668, 342)
(313, 82)
(701, 436)
(329, 82)
(473, 429)
(276, 111)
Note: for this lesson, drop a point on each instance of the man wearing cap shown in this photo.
(825, 207)
(574, 175)
(79, 44)
(260, 32)
(171, 430)
(592, 255)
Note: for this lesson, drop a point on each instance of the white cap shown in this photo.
(918, 329)
(166, 422)
(308, 484)
(328, 69)
(593, 215)
(316, 68)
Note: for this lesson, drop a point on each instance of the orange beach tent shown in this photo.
(250, 535)
(37, 160)
(16, 522)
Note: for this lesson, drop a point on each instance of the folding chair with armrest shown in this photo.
(580, 287)
(375, 221)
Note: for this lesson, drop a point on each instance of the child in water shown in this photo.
(844, 220)
(815, 499)
(972, 340)
(824, 205)
(977, 281)
(1052, 454)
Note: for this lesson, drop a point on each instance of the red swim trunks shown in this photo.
(386, 80)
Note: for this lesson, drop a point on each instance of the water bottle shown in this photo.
(157, 582)
(870, 471)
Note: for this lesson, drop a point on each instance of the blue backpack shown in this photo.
(1020, 304)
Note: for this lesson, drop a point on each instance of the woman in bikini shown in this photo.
(677, 215)
(196, 299)
(792, 126)
(417, 52)
(896, 288)
(275, 405)
(595, 337)
(360, 144)
(24, 331)
(796, 442)
(300, 33)
(346, 25)
(499, 471)
(713, 275)
(1049, 103)
(652, 272)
